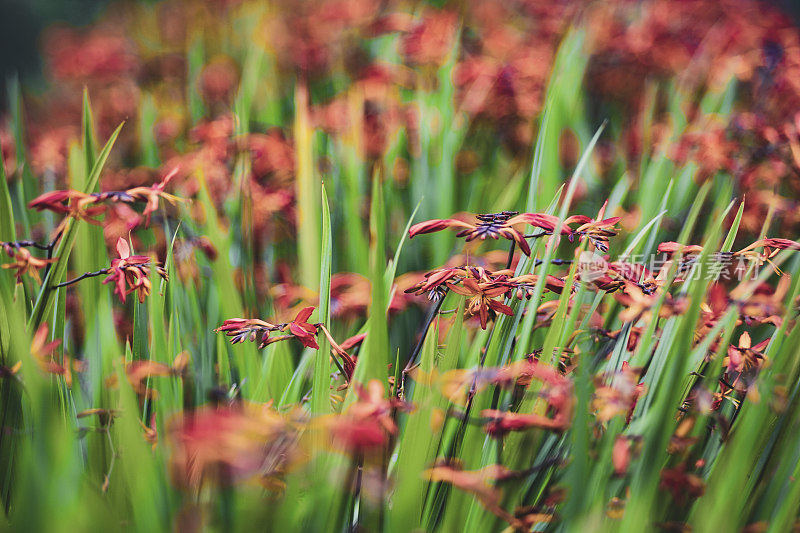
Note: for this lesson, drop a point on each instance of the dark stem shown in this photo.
(51, 246)
(336, 362)
(511, 255)
(556, 262)
(83, 276)
(432, 312)
(25, 244)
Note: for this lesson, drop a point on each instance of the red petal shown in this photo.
(437, 224)
(670, 247)
(304, 314)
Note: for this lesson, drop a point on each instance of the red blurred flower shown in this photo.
(72, 203)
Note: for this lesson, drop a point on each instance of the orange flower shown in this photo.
(482, 299)
(153, 194)
(138, 371)
(598, 230)
(617, 394)
(25, 262)
(42, 352)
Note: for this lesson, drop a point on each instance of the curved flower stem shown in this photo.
(81, 277)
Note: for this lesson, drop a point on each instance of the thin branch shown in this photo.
(81, 277)
(25, 244)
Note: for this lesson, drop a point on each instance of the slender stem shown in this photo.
(25, 244)
(81, 277)
(50, 247)
(511, 255)
(432, 312)
(537, 235)
(336, 362)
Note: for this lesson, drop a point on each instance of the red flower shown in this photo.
(72, 203)
(597, 230)
(494, 225)
(745, 356)
(367, 424)
(129, 273)
(502, 422)
(680, 484)
(302, 330)
(229, 444)
(241, 329)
